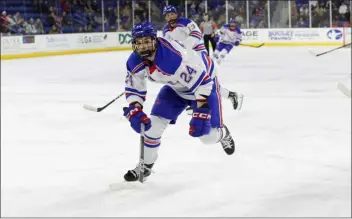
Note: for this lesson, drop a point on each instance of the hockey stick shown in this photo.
(323, 53)
(253, 46)
(117, 186)
(344, 89)
(141, 156)
(99, 109)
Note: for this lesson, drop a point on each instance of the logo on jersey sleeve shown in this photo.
(192, 27)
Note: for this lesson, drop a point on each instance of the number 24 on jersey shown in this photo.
(187, 76)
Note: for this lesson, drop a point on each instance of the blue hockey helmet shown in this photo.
(168, 9)
(232, 23)
(172, 19)
(147, 46)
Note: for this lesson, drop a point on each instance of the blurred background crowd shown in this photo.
(71, 16)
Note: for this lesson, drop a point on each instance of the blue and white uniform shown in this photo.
(228, 38)
(187, 78)
(187, 32)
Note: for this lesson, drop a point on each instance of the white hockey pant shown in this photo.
(153, 136)
(220, 55)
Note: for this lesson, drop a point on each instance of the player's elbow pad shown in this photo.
(190, 42)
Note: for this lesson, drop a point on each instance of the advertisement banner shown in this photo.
(250, 35)
(56, 41)
(280, 35)
(30, 39)
(306, 35)
(118, 41)
(334, 34)
(125, 39)
(92, 40)
(10, 43)
(17, 44)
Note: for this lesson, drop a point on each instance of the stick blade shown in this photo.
(260, 45)
(89, 107)
(312, 53)
(344, 89)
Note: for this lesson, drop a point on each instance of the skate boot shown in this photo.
(236, 99)
(133, 175)
(228, 144)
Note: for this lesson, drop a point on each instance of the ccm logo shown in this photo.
(133, 112)
(201, 115)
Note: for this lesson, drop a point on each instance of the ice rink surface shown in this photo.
(293, 140)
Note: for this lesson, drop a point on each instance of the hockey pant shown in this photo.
(221, 51)
(166, 109)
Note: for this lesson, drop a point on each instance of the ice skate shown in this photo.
(236, 99)
(227, 142)
(133, 175)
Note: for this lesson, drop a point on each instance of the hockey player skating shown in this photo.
(187, 82)
(228, 36)
(188, 32)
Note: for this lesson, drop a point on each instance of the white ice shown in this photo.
(293, 141)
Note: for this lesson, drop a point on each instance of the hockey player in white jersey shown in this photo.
(187, 82)
(182, 29)
(229, 36)
(188, 32)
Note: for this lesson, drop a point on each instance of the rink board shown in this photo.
(15, 47)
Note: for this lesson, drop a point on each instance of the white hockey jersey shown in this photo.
(229, 36)
(187, 32)
(189, 74)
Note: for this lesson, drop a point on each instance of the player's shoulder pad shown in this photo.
(191, 25)
(166, 29)
(238, 30)
(168, 58)
(135, 63)
(183, 21)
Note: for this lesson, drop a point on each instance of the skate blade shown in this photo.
(239, 101)
(344, 89)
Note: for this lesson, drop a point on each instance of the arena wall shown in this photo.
(29, 46)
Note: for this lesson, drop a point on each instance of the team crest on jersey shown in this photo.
(192, 27)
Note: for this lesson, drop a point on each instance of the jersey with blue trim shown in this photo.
(187, 32)
(229, 36)
(187, 73)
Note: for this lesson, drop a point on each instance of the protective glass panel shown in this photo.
(320, 13)
(279, 14)
(300, 14)
(216, 10)
(258, 14)
(196, 10)
(140, 11)
(156, 8)
(341, 14)
(238, 11)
